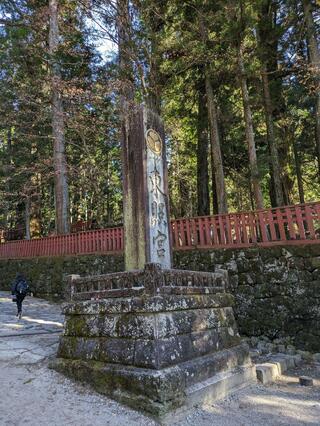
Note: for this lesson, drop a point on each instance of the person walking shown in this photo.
(19, 289)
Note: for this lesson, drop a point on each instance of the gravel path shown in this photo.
(31, 394)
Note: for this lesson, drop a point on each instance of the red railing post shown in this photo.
(302, 234)
(262, 227)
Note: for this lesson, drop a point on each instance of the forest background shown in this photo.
(236, 83)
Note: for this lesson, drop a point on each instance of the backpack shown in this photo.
(22, 287)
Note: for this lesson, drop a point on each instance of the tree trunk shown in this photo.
(214, 187)
(125, 56)
(126, 83)
(268, 40)
(216, 156)
(254, 172)
(7, 172)
(314, 55)
(298, 172)
(58, 128)
(216, 149)
(27, 218)
(274, 156)
(203, 203)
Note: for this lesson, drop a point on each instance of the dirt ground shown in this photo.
(32, 394)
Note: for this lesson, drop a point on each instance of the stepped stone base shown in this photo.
(173, 389)
(164, 348)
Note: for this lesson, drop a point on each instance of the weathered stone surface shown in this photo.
(149, 326)
(315, 262)
(159, 391)
(149, 305)
(267, 372)
(316, 357)
(149, 281)
(158, 339)
(152, 332)
(278, 296)
(305, 381)
(145, 189)
(275, 366)
(305, 355)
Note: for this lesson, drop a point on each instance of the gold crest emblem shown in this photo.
(154, 141)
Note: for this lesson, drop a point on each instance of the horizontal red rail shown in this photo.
(299, 224)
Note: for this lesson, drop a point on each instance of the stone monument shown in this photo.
(145, 204)
(155, 338)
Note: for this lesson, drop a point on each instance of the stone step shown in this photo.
(268, 372)
(221, 385)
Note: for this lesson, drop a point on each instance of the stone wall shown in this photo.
(47, 274)
(277, 290)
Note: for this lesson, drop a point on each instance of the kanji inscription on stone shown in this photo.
(145, 191)
(158, 228)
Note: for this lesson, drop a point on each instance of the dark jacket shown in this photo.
(19, 278)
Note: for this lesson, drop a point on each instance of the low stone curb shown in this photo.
(306, 381)
(268, 372)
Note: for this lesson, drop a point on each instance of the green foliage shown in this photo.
(169, 56)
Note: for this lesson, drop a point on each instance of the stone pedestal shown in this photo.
(158, 340)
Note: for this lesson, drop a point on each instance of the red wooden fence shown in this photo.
(299, 224)
(98, 241)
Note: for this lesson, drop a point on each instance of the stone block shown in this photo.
(252, 253)
(292, 277)
(174, 323)
(98, 349)
(233, 282)
(281, 349)
(231, 267)
(136, 326)
(158, 392)
(280, 362)
(296, 262)
(254, 353)
(291, 350)
(243, 264)
(267, 372)
(305, 355)
(150, 353)
(270, 253)
(254, 341)
(316, 357)
(315, 262)
(148, 305)
(220, 386)
(269, 347)
(304, 276)
(297, 359)
(316, 274)
(150, 326)
(262, 347)
(290, 361)
(305, 381)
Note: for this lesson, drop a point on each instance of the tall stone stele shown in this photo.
(155, 338)
(145, 189)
